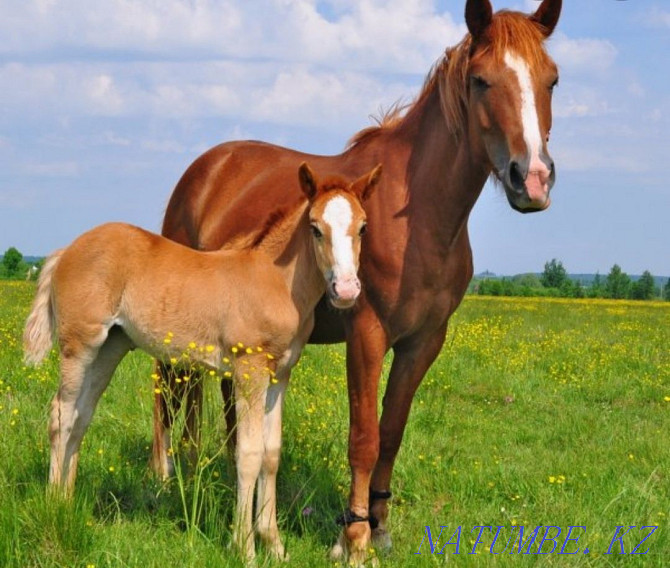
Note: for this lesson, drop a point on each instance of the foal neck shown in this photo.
(282, 229)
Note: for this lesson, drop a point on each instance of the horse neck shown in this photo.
(445, 171)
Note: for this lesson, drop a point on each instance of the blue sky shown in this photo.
(104, 104)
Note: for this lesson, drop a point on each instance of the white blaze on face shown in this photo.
(338, 216)
(529, 118)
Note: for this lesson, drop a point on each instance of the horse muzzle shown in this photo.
(527, 186)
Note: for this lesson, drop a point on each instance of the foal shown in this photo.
(118, 287)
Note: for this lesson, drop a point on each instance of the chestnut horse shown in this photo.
(485, 109)
(118, 287)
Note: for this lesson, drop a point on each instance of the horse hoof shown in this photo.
(381, 540)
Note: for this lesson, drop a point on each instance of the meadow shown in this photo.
(537, 412)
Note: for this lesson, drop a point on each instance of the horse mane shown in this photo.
(509, 30)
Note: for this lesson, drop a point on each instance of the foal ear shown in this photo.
(307, 181)
(478, 16)
(364, 186)
(546, 16)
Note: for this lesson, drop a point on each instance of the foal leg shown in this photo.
(411, 360)
(84, 377)
(229, 414)
(266, 498)
(167, 404)
(251, 383)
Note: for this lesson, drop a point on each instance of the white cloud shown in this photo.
(66, 169)
(658, 18)
(575, 100)
(395, 36)
(582, 55)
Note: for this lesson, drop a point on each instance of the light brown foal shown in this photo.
(118, 287)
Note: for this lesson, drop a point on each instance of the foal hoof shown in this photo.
(337, 552)
(279, 553)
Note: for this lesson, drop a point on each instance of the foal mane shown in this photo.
(272, 232)
(509, 30)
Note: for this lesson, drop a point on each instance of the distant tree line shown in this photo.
(554, 281)
(14, 267)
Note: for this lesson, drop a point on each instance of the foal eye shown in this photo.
(316, 231)
(362, 230)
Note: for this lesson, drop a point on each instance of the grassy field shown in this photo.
(537, 412)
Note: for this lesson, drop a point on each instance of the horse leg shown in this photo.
(84, 377)
(266, 498)
(251, 383)
(167, 404)
(366, 347)
(411, 360)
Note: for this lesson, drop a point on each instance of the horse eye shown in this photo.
(553, 84)
(362, 230)
(316, 232)
(480, 82)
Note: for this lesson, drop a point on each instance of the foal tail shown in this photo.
(40, 325)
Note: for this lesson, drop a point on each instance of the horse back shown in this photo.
(232, 189)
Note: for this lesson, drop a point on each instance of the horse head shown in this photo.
(510, 80)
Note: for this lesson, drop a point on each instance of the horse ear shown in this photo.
(307, 181)
(365, 185)
(478, 16)
(546, 16)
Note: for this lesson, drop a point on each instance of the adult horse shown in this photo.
(485, 109)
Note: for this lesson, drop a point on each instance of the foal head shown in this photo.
(510, 79)
(337, 223)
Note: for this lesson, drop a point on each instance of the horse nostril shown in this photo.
(516, 176)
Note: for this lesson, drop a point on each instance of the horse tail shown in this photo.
(40, 325)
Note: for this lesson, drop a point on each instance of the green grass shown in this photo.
(537, 412)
